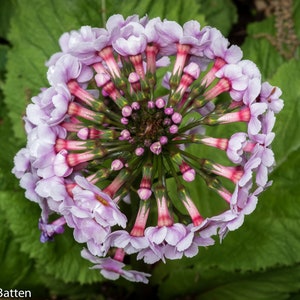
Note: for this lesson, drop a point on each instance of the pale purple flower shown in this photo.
(196, 37)
(113, 269)
(84, 43)
(169, 32)
(266, 155)
(151, 32)
(49, 106)
(152, 254)
(60, 164)
(28, 182)
(131, 46)
(219, 47)
(256, 110)
(188, 244)
(271, 95)
(249, 167)
(268, 122)
(235, 147)
(103, 208)
(172, 242)
(66, 68)
(48, 230)
(252, 91)
(238, 80)
(243, 204)
(130, 244)
(21, 163)
(54, 190)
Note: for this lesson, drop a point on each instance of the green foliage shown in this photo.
(221, 14)
(218, 284)
(258, 261)
(181, 10)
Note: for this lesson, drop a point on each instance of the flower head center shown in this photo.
(150, 127)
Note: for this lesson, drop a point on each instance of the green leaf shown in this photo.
(287, 131)
(258, 48)
(270, 235)
(6, 11)
(13, 270)
(8, 147)
(35, 29)
(61, 258)
(220, 14)
(182, 12)
(274, 40)
(272, 284)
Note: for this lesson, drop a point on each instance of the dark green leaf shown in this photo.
(60, 258)
(277, 283)
(181, 12)
(220, 14)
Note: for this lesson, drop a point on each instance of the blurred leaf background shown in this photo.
(261, 260)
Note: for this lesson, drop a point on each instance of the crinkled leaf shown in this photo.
(35, 29)
(269, 42)
(270, 235)
(6, 11)
(181, 11)
(8, 147)
(271, 284)
(259, 49)
(220, 14)
(60, 258)
(287, 125)
(17, 269)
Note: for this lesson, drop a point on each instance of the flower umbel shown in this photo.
(127, 127)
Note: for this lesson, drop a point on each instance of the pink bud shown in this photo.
(135, 106)
(163, 140)
(125, 135)
(156, 148)
(124, 121)
(151, 104)
(117, 165)
(192, 69)
(83, 133)
(133, 77)
(169, 110)
(176, 118)
(173, 129)
(160, 103)
(139, 151)
(126, 111)
(189, 175)
(144, 193)
(101, 79)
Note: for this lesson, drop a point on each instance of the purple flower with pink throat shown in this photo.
(126, 128)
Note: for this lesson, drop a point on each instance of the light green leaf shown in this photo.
(220, 14)
(258, 48)
(287, 131)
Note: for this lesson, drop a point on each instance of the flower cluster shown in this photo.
(129, 121)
